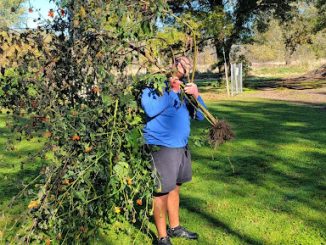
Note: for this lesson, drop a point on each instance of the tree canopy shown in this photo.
(11, 13)
(230, 22)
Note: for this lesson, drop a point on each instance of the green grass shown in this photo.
(280, 71)
(276, 193)
(265, 187)
(17, 168)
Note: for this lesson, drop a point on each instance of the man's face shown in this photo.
(175, 82)
(180, 71)
(177, 75)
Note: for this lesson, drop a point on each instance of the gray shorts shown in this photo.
(171, 166)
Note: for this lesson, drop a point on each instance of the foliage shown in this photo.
(268, 45)
(11, 13)
(298, 30)
(321, 19)
(319, 44)
(71, 80)
(289, 40)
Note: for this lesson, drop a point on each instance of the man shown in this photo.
(166, 133)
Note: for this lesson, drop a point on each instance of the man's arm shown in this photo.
(199, 115)
(196, 113)
(152, 103)
(191, 89)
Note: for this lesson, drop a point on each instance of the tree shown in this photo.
(11, 13)
(236, 17)
(282, 39)
(213, 21)
(68, 81)
(299, 29)
(321, 20)
(268, 45)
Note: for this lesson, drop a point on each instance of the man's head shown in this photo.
(182, 66)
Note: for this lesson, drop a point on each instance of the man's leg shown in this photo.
(175, 229)
(173, 207)
(160, 210)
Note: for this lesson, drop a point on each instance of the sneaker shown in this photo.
(182, 232)
(164, 241)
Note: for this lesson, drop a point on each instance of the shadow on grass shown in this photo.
(193, 205)
(16, 166)
(277, 145)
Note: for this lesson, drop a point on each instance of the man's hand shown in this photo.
(192, 89)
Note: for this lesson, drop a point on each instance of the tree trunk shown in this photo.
(220, 56)
(287, 58)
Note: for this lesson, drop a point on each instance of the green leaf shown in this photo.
(32, 91)
(107, 100)
(121, 169)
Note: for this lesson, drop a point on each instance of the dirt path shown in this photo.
(313, 97)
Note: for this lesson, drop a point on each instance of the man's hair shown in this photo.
(185, 63)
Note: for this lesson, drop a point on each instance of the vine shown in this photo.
(73, 88)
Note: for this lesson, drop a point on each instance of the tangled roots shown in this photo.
(219, 133)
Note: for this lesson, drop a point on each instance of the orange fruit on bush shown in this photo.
(33, 204)
(75, 138)
(66, 182)
(129, 181)
(48, 241)
(139, 202)
(88, 149)
(95, 89)
(51, 13)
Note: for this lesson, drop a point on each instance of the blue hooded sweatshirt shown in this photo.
(168, 119)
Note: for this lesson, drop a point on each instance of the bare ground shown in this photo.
(300, 90)
(314, 97)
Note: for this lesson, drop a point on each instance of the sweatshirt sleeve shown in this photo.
(196, 114)
(199, 115)
(152, 103)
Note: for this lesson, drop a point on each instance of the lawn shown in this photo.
(265, 187)
(284, 71)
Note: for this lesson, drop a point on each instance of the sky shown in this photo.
(43, 5)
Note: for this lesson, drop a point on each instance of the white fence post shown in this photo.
(236, 79)
(232, 79)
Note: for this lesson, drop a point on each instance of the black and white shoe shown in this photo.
(181, 232)
(164, 241)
